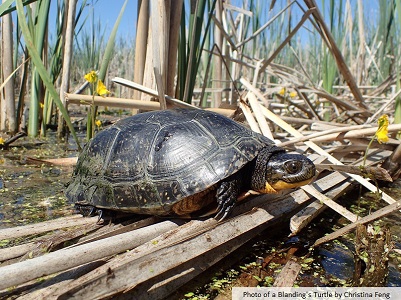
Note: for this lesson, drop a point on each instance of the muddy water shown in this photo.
(32, 192)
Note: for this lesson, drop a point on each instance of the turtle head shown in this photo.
(280, 170)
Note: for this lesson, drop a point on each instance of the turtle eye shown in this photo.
(293, 167)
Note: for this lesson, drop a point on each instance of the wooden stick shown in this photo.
(377, 173)
(112, 102)
(45, 290)
(16, 251)
(330, 203)
(65, 259)
(64, 161)
(115, 229)
(367, 132)
(369, 218)
(149, 91)
(32, 229)
(259, 116)
(322, 133)
(249, 117)
(307, 214)
(288, 274)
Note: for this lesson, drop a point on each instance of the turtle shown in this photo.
(180, 162)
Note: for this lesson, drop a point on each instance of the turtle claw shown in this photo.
(92, 212)
(220, 212)
(100, 213)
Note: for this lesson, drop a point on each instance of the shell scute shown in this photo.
(149, 162)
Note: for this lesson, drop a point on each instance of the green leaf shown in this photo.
(108, 52)
(42, 70)
(6, 7)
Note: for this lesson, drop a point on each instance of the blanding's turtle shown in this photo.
(178, 162)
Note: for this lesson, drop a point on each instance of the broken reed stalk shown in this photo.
(38, 228)
(65, 259)
(249, 117)
(160, 88)
(369, 218)
(16, 251)
(288, 274)
(253, 101)
(367, 132)
(149, 91)
(307, 214)
(160, 37)
(322, 133)
(112, 101)
(330, 203)
(174, 34)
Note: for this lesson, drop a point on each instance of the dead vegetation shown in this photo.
(151, 258)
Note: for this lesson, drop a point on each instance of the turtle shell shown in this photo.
(148, 162)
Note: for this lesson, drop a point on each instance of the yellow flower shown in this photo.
(41, 105)
(293, 94)
(282, 91)
(2, 141)
(98, 123)
(101, 89)
(91, 77)
(382, 131)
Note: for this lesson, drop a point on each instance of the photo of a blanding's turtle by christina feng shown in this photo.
(179, 162)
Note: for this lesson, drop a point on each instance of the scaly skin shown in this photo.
(267, 174)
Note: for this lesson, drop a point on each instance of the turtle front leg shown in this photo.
(227, 194)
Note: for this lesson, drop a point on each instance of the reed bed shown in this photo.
(315, 77)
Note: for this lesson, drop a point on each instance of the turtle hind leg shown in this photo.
(89, 211)
(227, 194)
(106, 215)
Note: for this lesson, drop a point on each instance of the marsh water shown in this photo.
(32, 192)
